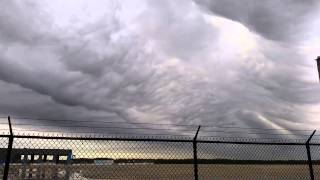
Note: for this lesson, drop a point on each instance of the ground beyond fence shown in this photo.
(36, 156)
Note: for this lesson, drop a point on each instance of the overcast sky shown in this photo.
(242, 63)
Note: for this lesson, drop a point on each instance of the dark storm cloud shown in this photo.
(22, 22)
(273, 19)
(101, 70)
(164, 64)
(45, 73)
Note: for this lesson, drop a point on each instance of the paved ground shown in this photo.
(162, 171)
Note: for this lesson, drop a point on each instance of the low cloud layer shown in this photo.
(191, 62)
(275, 20)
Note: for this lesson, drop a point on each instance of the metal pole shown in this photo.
(9, 150)
(309, 155)
(318, 64)
(195, 155)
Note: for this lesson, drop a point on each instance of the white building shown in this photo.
(103, 161)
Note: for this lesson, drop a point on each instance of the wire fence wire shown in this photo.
(145, 153)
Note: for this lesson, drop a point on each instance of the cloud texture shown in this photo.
(190, 62)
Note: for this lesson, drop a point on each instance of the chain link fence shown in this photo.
(84, 157)
(48, 157)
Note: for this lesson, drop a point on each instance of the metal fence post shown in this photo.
(195, 155)
(309, 155)
(9, 150)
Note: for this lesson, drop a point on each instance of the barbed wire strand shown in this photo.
(156, 124)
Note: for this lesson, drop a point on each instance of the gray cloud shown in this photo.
(275, 20)
(164, 64)
(24, 22)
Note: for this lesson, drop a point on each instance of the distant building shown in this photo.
(134, 162)
(37, 155)
(26, 157)
(103, 161)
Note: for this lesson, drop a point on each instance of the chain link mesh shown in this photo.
(250, 161)
(100, 159)
(3, 145)
(315, 155)
(93, 158)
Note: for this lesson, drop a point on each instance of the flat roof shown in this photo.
(37, 151)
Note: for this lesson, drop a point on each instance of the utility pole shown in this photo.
(318, 64)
